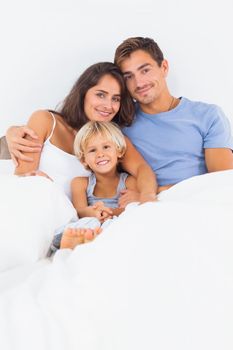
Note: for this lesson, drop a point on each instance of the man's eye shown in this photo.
(146, 70)
(127, 77)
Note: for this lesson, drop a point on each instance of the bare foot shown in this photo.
(75, 236)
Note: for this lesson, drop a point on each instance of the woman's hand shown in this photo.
(37, 173)
(17, 143)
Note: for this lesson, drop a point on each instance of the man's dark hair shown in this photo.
(130, 45)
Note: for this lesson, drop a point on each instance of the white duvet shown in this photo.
(160, 277)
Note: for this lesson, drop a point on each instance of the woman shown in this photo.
(98, 95)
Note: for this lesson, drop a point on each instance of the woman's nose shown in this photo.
(108, 103)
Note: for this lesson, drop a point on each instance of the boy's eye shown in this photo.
(107, 146)
(91, 150)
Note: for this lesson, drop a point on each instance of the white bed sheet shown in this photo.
(160, 277)
(6, 167)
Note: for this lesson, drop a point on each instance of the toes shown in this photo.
(68, 231)
(89, 235)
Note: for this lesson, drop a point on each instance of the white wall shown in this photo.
(46, 44)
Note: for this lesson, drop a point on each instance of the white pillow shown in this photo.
(31, 209)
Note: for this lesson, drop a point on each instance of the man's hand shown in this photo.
(147, 197)
(163, 188)
(17, 143)
(129, 196)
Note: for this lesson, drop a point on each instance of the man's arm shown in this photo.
(17, 142)
(135, 165)
(218, 159)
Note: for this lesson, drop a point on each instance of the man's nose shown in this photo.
(139, 82)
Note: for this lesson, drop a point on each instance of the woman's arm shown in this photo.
(18, 142)
(41, 123)
(135, 165)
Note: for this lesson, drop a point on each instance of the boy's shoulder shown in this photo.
(79, 180)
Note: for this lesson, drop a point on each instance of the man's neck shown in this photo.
(160, 105)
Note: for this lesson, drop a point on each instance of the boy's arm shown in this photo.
(79, 197)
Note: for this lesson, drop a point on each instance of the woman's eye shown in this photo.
(116, 99)
(100, 94)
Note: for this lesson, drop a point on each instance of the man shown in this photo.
(179, 138)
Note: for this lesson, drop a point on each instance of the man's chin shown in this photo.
(145, 100)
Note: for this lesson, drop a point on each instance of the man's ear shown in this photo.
(165, 67)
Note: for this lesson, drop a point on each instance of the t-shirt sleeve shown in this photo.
(218, 132)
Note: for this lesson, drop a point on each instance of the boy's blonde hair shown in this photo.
(107, 129)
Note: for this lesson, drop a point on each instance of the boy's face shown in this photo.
(145, 80)
(101, 155)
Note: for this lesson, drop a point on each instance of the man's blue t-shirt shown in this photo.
(173, 142)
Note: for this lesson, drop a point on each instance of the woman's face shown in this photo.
(102, 101)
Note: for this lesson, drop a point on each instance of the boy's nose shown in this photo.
(100, 153)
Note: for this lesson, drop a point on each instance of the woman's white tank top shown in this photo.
(61, 166)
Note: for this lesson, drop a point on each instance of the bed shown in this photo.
(159, 277)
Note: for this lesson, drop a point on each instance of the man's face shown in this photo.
(145, 80)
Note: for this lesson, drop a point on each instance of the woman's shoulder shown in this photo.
(41, 121)
(42, 116)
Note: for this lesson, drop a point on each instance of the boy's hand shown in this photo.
(102, 212)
